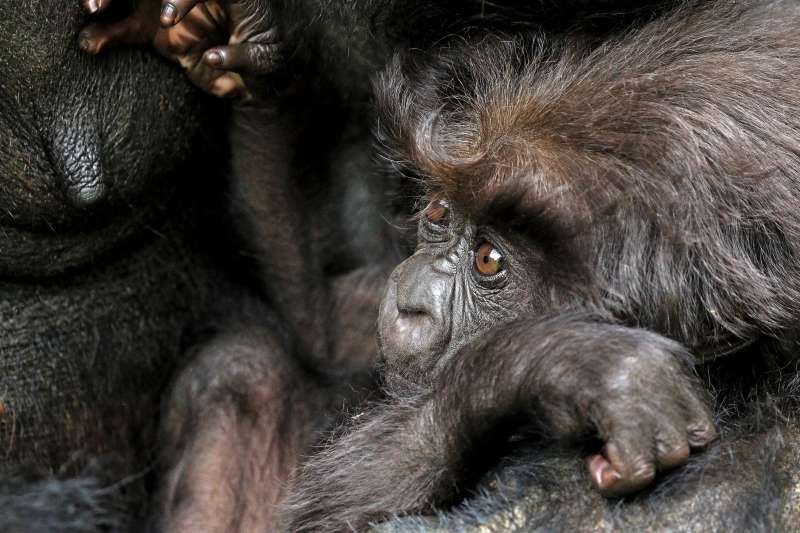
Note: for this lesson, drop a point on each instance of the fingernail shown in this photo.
(597, 472)
(214, 58)
(598, 466)
(92, 6)
(168, 14)
(609, 476)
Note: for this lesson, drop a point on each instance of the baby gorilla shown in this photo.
(594, 215)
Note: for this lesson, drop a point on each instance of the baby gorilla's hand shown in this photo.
(221, 44)
(577, 376)
(637, 393)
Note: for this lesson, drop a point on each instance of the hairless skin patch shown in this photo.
(76, 150)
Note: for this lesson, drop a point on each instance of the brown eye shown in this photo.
(437, 211)
(488, 260)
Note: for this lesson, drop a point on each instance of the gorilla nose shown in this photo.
(421, 290)
(414, 323)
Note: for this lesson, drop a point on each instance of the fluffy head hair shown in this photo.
(702, 100)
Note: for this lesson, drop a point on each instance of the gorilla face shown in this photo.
(85, 143)
(465, 277)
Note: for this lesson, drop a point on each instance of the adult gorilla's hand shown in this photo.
(219, 43)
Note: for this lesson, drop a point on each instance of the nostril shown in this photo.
(420, 291)
(408, 305)
(409, 310)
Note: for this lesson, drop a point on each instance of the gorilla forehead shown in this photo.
(83, 141)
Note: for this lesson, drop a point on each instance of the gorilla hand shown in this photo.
(631, 387)
(220, 44)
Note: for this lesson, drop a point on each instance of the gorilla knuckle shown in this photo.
(671, 455)
(702, 433)
(263, 57)
(642, 472)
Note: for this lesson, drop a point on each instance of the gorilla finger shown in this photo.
(251, 58)
(95, 37)
(219, 83)
(672, 449)
(601, 472)
(172, 11)
(701, 433)
(701, 429)
(230, 85)
(630, 464)
(95, 6)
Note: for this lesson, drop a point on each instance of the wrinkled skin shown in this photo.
(101, 282)
(67, 155)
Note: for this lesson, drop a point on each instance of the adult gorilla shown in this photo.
(101, 284)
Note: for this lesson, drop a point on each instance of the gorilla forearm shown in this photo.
(274, 217)
(272, 186)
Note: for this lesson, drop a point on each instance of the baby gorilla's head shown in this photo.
(502, 234)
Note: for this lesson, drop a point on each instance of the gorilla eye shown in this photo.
(488, 260)
(437, 211)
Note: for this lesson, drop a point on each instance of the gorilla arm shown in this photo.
(571, 373)
(246, 409)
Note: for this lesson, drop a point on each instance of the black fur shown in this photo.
(77, 505)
